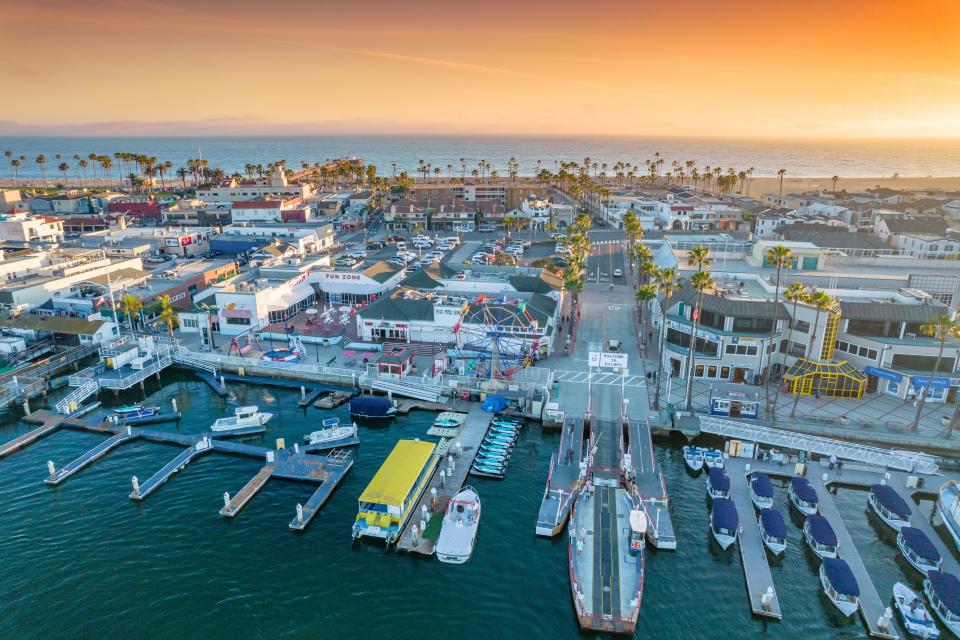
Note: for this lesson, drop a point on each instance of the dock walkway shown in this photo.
(562, 480)
(753, 554)
(606, 554)
(169, 470)
(92, 456)
(28, 438)
(242, 497)
(471, 435)
(648, 481)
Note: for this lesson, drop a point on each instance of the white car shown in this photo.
(617, 273)
(359, 255)
(406, 256)
(453, 241)
(562, 250)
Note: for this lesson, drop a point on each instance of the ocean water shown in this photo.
(83, 561)
(801, 158)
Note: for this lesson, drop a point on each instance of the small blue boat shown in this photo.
(773, 530)
(761, 491)
(718, 483)
(918, 550)
(889, 506)
(724, 522)
(840, 585)
(802, 496)
(943, 591)
(819, 535)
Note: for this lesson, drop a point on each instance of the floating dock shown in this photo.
(310, 391)
(753, 553)
(291, 464)
(648, 484)
(562, 480)
(448, 485)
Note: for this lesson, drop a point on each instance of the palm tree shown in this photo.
(700, 281)
(182, 173)
(167, 316)
(106, 163)
(795, 292)
(821, 302)
(644, 295)
(699, 256)
(780, 173)
(779, 256)
(131, 307)
(941, 329)
(41, 161)
(667, 283)
(835, 180)
(83, 167)
(15, 163)
(63, 167)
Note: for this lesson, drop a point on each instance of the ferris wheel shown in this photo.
(496, 338)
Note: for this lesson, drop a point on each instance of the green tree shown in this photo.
(167, 317)
(15, 163)
(131, 307)
(41, 162)
(796, 293)
(835, 180)
(667, 283)
(942, 328)
(63, 167)
(780, 174)
(778, 256)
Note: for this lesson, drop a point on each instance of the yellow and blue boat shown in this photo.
(391, 497)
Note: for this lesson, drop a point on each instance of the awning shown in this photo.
(236, 313)
(938, 382)
(883, 373)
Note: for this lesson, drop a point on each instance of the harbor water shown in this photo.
(81, 560)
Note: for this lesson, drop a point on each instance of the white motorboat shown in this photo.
(948, 506)
(918, 550)
(802, 496)
(761, 491)
(889, 506)
(773, 530)
(713, 458)
(724, 522)
(332, 435)
(693, 457)
(459, 530)
(820, 537)
(244, 420)
(916, 619)
(718, 483)
(943, 592)
(840, 585)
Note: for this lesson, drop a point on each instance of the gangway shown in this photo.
(416, 390)
(69, 403)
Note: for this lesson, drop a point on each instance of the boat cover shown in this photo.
(492, 404)
(891, 500)
(802, 489)
(920, 544)
(719, 480)
(947, 588)
(841, 577)
(821, 530)
(725, 514)
(372, 406)
(773, 523)
(760, 482)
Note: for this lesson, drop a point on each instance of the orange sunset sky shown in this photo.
(838, 68)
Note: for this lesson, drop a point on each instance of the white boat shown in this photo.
(840, 585)
(948, 506)
(693, 457)
(724, 522)
(713, 458)
(244, 420)
(943, 592)
(773, 530)
(802, 496)
(889, 506)
(459, 530)
(916, 619)
(332, 435)
(820, 537)
(918, 550)
(761, 491)
(718, 483)
(638, 531)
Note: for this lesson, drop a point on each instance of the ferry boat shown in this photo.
(373, 411)
(943, 592)
(889, 506)
(245, 420)
(773, 530)
(391, 497)
(724, 522)
(693, 457)
(331, 436)
(840, 585)
(718, 483)
(459, 529)
(918, 550)
(713, 458)
(916, 619)
(761, 491)
(802, 496)
(820, 537)
(948, 506)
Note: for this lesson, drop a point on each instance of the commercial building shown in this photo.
(275, 186)
(21, 226)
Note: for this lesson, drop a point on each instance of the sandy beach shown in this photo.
(759, 186)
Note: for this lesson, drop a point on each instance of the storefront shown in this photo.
(734, 405)
(905, 387)
(355, 287)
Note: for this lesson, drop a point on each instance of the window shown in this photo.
(925, 364)
(741, 350)
(243, 321)
(801, 325)
(753, 325)
(190, 323)
(725, 373)
(698, 372)
(893, 387)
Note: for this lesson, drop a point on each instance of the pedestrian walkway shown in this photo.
(599, 377)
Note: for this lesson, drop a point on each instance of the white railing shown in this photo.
(888, 458)
(73, 399)
(430, 393)
(128, 381)
(252, 366)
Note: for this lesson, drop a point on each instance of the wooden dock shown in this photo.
(753, 554)
(242, 497)
(471, 435)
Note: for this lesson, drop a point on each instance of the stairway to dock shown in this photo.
(240, 500)
(91, 456)
(169, 470)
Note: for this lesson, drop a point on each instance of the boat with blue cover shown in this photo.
(693, 457)
(773, 530)
(918, 550)
(840, 585)
(889, 506)
(761, 491)
(802, 496)
(374, 411)
(724, 522)
(916, 619)
(713, 458)
(820, 537)
(141, 415)
(948, 506)
(718, 483)
(943, 591)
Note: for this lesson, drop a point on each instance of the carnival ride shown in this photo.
(496, 337)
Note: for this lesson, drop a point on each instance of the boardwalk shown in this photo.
(753, 555)
(28, 438)
(471, 435)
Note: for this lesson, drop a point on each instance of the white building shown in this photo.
(276, 186)
(21, 226)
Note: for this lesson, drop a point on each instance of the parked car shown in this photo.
(487, 228)
(617, 273)
(556, 235)
(358, 255)
(346, 261)
(401, 246)
(560, 262)
(375, 246)
(562, 250)
(453, 241)
(396, 238)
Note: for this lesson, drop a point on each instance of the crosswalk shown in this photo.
(582, 377)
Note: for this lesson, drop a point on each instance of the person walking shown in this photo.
(833, 461)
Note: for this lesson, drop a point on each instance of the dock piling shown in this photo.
(52, 469)
(458, 447)
(173, 403)
(443, 479)
(299, 513)
(303, 393)
(226, 499)
(26, 406)
(416, 536)
(424, 513)
(223, 383)
(136, 485)
(450, 464)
